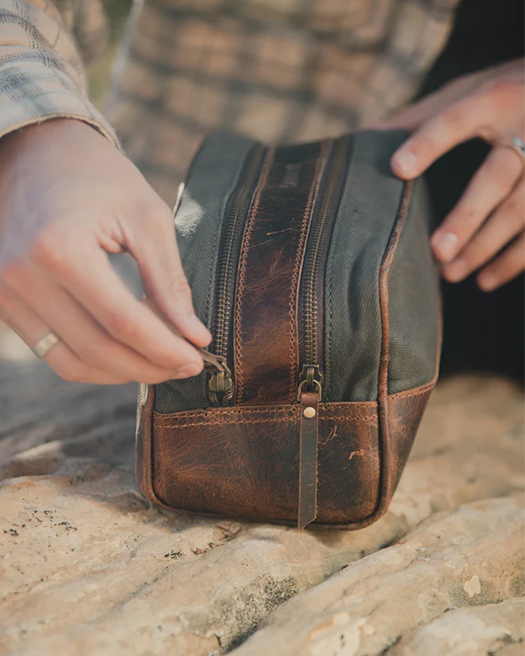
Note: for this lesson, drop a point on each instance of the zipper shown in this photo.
(310, 390)
(220, 385)
(311, 375)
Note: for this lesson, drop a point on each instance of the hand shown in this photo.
(489, 220)
(68, 197)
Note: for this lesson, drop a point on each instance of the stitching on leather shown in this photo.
(233, 409)
(329, 313)
(409, 393)
(225, 416)
(333, 408)
(256, 420)
(226, 422)
(146, 435)
(239, 379)
(203, 420)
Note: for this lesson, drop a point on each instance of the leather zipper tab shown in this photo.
(309, 427)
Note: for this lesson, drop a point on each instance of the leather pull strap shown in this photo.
(308, 459)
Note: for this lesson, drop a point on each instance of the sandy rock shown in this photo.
(88, 567)
(366, 607)
(491, 629)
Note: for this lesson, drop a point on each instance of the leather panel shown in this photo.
(243, 462)
(404, 416)
(265, 324)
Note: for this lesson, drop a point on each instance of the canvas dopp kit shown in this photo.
(312, 268)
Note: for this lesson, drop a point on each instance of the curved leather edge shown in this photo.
(143, 446)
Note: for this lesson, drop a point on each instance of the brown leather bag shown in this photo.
(311, 266)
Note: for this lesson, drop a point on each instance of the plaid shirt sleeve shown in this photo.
(41, 66)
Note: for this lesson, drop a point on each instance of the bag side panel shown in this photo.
(398, 418)
(364, 222)
(414, 307)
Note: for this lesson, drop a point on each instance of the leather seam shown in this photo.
(357, 405)
(257, 420)
(238, 372)
(385, 482)
(226, 422)
(404, 395)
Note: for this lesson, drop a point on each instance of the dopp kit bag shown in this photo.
(312, 268)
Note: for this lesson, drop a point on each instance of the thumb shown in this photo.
(153, 244)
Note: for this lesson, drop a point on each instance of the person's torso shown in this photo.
(277, 70)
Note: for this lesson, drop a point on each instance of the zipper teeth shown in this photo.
(228, 270)
(313, 260)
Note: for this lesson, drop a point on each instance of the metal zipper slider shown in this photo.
(220, 383)
(309, 381)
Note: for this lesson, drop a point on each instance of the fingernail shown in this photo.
(190, 370)
(487, 282)
(445, 245)
(456, 270)
(406, 162)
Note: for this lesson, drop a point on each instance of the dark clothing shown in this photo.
(482, 332)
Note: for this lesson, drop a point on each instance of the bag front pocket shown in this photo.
(243, 462)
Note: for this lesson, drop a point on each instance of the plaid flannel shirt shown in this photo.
(277, 70)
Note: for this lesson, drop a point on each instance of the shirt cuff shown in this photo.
(31, 92)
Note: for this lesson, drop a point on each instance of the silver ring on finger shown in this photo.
(518, 146)
(44, 345)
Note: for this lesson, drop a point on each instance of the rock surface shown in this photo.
(87, 567)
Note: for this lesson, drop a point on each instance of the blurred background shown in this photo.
(100, 71)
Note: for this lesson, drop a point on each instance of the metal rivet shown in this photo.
(309, 413)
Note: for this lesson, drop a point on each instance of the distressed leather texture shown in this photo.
(266, 343)
(198, 461)
(260, 458)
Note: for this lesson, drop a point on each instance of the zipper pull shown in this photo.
(309, 396)
(309, 380)
(211, 361)
(220, 382)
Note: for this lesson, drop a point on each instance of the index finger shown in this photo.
(105, 296)
(462, 121)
